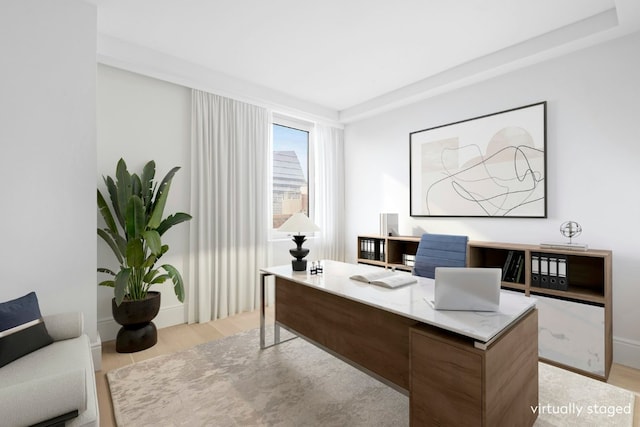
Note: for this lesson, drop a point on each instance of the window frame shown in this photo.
(305, 126)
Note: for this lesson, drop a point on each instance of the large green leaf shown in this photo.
(160, 279)
(172, 220)
(148, 278)
(120, 284)
(135, 218)
(123, 185)
(107, 238)
(113, 196)
(178, 284)
(152, 237)
(148, 173)
(106, 270)
(148, 263)
(136, 185)
(106, 213)
(109, 283)
(162, 189)
(120, 241)
(151, 259)
(135, 253)
(166, 180)
(158, 207)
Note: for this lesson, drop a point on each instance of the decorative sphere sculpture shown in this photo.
(570, 229)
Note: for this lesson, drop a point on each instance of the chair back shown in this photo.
(439, 250)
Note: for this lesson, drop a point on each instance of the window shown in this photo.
(290, 172)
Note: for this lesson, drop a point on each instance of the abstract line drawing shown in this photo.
(490, 166)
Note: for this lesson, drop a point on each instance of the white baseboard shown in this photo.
(626, 352)
(168, 316)
(96, 354)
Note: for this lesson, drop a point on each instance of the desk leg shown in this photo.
(263, 304)
(263, 320)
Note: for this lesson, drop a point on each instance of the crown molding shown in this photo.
(141, 60)
(582, 34)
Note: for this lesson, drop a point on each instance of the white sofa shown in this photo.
(50, 384)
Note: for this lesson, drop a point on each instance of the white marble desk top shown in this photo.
(409, 301)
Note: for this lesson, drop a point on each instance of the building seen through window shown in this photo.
(290, 173)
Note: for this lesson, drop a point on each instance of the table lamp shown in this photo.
(299, 223)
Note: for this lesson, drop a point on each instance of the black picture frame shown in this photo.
(493, 165)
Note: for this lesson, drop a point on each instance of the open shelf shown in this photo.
(511, 261)
(399, 248)
(392, 251)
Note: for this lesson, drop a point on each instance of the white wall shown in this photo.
(142, 119)
(48, 161)
(593, 149)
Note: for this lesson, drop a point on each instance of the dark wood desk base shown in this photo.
(455, 384)
(369, 337)
(448, 380)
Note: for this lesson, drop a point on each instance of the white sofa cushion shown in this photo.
(50, 382)
(64, 326)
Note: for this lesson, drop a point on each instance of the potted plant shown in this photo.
(134, 230)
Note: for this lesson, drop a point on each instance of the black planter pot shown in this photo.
(138, 331)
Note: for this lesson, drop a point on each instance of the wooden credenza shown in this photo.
(575, 323)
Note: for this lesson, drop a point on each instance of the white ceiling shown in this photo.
(346, 54)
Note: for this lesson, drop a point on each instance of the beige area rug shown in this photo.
(231, 382)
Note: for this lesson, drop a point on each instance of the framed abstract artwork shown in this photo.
(488, 166)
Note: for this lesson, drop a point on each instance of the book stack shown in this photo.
(549, 271)
(513, 268)
(409, 260)
(373, 249)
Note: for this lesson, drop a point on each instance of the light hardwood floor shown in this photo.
(181, 337)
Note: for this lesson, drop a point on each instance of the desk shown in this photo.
(458, 368)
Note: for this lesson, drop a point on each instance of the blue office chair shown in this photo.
(439, 250)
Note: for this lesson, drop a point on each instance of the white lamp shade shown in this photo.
(298, 223)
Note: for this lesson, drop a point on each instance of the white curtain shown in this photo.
(229, 202)
(328, 208)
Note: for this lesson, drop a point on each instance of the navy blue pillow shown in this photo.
(22, 329)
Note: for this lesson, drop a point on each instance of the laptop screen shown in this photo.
(471, 289)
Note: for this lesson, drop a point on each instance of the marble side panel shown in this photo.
(571, 333)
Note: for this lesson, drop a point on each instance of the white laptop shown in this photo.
(470, 289)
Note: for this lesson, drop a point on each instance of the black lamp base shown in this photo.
(299, 264)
